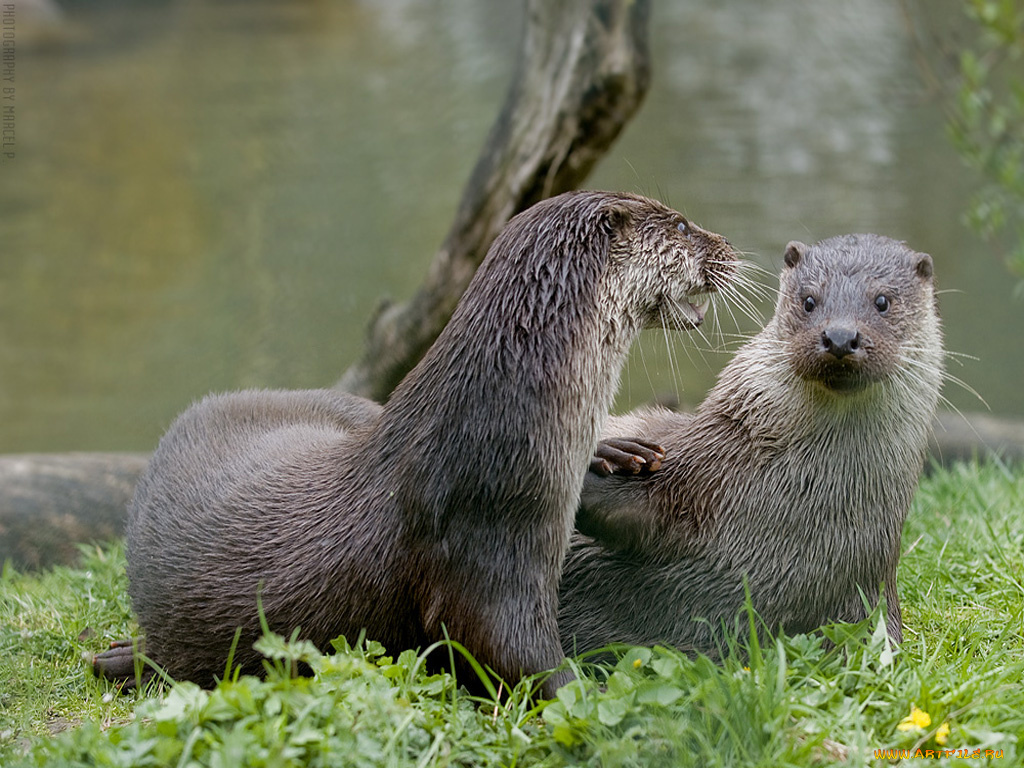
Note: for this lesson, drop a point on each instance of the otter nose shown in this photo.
(840, 342)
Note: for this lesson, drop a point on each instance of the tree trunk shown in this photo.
(582, 72)
(49, 503)
(963, 437)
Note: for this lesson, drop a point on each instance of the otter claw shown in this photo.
(629, 456)
(117, 664)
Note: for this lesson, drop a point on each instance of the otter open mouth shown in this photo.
(694, 308)
(844, 380)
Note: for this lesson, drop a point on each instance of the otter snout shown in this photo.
(840, 341)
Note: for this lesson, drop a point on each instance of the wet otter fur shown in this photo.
(449, 508)
(795, 473)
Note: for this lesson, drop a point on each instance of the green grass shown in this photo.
(795, 701)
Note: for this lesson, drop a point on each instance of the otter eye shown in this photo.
(683, 227)
(882, 303)
(809, 304)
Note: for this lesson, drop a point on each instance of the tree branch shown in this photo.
(582, 72)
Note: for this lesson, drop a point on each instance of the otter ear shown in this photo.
(924, 267)
(794, 252)
(617, 216)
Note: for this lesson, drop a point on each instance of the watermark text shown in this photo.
(8, 58)
(935, 754)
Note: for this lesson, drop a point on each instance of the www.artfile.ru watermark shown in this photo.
(7, 60)
(935, 754)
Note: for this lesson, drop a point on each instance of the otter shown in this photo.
(794, 475)
(446, 512)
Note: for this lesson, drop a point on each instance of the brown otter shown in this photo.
(450, 508)
(795, 473)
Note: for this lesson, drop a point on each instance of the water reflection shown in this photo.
(211, 195)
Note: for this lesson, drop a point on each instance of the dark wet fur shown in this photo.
(449, 508)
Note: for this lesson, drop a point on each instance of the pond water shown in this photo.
(214, 195)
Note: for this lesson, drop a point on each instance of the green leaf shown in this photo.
(661, 693)
(611, 712)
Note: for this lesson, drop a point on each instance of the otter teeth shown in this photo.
(699, 303)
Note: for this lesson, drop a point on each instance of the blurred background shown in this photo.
(212, 194)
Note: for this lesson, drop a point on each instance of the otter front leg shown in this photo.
(893, 612)
(615, 504)
(515, 633)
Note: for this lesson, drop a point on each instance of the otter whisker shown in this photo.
(954, 357)
(734, 341)
(742, 336)
(750, 270)
(906, 382)
(903, 380)
(643, 363)
(666, 323)
(686, 347)
(735, 296)
(945, 376)
(752, 273)
(744, 283)
(735, 321)
(701, 332)
(701, 349)
(748, 265)
(719, 331)
(750, 256)
(757, 291)
(957, 357)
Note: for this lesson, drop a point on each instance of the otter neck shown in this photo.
(527, 385)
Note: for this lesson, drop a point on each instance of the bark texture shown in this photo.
(582, 72)
(50, 503)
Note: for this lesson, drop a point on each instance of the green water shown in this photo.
(214, 195)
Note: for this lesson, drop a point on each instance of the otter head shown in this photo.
(667, 266)
(855, 309)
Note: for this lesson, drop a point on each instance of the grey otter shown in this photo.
(795, 473)
(451, 506)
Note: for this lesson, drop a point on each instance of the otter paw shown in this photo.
(626, 456)
(118, 664)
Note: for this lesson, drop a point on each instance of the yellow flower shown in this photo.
(637, 663)
(917, 719)
(942, 734)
